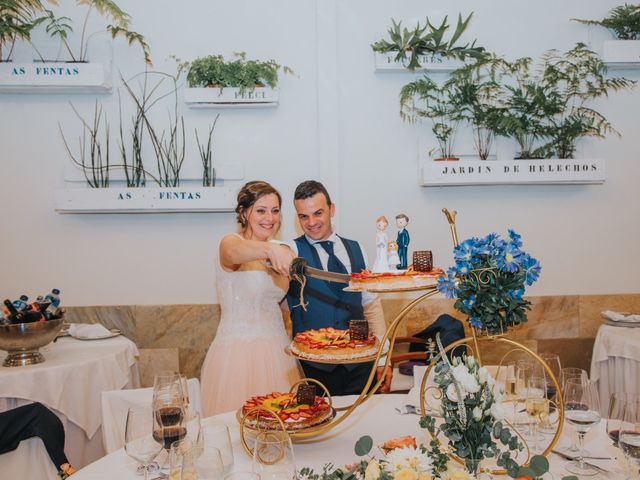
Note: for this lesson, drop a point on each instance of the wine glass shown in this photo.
(617, 403)
(553, 362)
(582, 410)
(218, 436)
(139, 443)
(572, 372)
(273, 456)
(510, 385)
(629, 439)
(169, 424)
(566, 374)
(537, 405)
(524, 369)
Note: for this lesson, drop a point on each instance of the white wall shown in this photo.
(337, 122)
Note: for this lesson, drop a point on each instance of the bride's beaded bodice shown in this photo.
(249, 299)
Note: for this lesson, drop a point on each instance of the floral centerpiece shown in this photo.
(472, 412)
(489, 279)
(472, 415)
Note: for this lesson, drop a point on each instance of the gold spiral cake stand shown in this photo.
(372, 385)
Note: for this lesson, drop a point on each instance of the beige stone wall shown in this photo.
(172, 336)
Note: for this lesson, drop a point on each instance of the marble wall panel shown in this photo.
(573, 352)
(552, 317)
(592, 305)
(180, 326)
(154, 360)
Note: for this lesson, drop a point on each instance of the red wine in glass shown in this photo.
(575, 406)
(169, 416)
(614, 435)
(167, 436)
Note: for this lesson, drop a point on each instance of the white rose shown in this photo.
(470, 384)
(452, 394)
(470, 361)
(497, 411)
(477, 414)
(483, 375)
(373, 471)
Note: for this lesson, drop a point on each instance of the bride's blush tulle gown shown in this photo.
(247, 355)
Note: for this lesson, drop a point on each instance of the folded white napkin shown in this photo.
(86, 330)
(621, 317)
(411, 403)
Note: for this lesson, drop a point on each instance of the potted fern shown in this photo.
(442, 104)
(624, 22)
(425, 47)
(71, 71)
(214, 81)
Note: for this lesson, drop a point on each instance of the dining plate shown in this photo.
(114, 332)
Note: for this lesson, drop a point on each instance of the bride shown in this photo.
(247, 355)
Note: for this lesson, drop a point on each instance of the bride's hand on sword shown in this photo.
(280, 258)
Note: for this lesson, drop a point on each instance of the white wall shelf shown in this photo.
(509, 172)
(54, 77)
(228, 97)
(146, 200)
(621, 54)
(386, 63)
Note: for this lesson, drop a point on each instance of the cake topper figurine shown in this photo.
(382, 263)
(402, 239)
(393, 258)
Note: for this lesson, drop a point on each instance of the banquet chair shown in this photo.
(115, 404)
(402, 382)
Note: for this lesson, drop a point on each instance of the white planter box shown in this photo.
(146, 200)
(621, 54)
(54, 77)
(385, 62)
(507, 172)
(228, 97)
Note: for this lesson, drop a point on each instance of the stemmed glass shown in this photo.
(582, 410)
(273, 456)
(629, 440)
(537, 405)
(617, 404)
(524, 370)
(566, 374)
(553, 362)
(138, 440)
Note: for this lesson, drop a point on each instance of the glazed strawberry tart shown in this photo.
(287, 407)
(368, 280)
(332, 344)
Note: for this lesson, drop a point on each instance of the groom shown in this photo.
(328, 305)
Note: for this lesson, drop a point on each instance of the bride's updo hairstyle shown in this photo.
(249, 195)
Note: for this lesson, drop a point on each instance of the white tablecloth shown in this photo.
(615, 364)
(377, 417)
(69, 382)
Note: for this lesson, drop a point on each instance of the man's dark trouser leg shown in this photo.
(33, 420)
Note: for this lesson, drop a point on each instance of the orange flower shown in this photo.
(399, 442)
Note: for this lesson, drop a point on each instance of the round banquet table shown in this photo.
(377, 417)
(615, 363)
(69, 382)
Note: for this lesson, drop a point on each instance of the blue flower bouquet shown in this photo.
(488, 281)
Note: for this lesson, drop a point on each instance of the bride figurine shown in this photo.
(392, 257)
(382, 262)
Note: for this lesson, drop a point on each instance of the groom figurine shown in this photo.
(402, 239)
(327, 305)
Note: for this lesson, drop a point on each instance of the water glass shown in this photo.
(139, 443)
(218, 436)
(273, 456)
(582, 410)
(629, 439)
